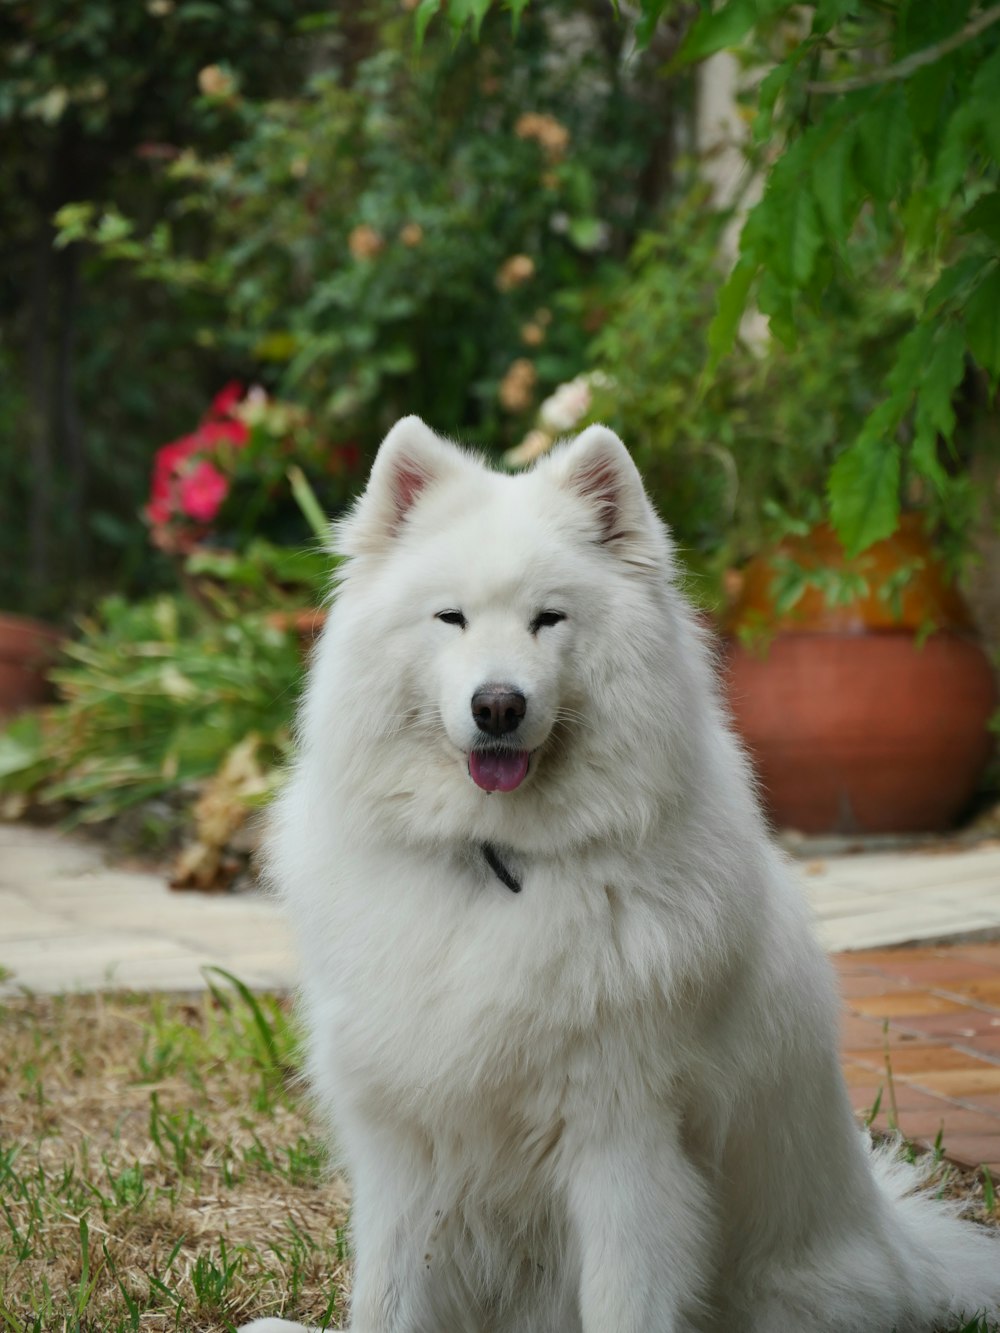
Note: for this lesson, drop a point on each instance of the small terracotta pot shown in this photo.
(27, 650)
(864, 733)
(855, 722)
(306, 624)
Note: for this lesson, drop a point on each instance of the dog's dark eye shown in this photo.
(452, 618)
(546, 618)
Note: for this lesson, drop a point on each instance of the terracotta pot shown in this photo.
(864, 733)
(928, 599)
(27, 650)
(854, 722)
(306, 624)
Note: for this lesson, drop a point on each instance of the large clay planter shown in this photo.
(27, 649)
(855, 722)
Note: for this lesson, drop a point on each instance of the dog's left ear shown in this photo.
(410, 461)
(598, 469)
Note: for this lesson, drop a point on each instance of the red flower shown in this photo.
(202, 491)
(211, 433)
(225, 400)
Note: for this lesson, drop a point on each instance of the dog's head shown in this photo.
(500, 645)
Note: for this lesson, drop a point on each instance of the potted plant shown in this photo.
(27, 649)
(859, 685)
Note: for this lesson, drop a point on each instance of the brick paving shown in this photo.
(932, 1016)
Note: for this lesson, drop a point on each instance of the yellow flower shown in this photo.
(214, 81)
(532, 335)
(412, 234)
(515, 271)
(534, 444)
(517, 388)
(364, 242)
(552, 136)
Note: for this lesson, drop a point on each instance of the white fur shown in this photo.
(611, 1101)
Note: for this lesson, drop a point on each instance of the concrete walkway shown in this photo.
(68, 921)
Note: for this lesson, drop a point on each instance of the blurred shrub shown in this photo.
(407, 234)
(94, 97)
(739, 458)
(240, 474)
(155, 696)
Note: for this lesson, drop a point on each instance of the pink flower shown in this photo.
(202, 491)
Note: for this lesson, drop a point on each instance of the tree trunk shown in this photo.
(39, 443)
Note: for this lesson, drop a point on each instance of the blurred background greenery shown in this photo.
(241, 239)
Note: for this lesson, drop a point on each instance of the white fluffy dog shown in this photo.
(565, 1009)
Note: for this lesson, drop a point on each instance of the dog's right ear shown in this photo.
(410, 460)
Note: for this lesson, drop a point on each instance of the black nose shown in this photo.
(498, 709)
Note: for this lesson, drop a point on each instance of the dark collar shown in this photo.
(499, 869)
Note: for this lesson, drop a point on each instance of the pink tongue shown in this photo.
(498, 770)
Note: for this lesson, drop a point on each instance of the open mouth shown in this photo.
(498, 770)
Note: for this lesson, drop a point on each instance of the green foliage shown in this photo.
(356, 241)
(875, 126)
(155, 695)
(905, 154)
(93, 95)
(739, 458)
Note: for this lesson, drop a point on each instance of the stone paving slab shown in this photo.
(69, 922)
(875, 899)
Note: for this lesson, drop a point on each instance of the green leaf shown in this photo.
(798, 236)
(425, 11)
(517, 8)
(921, 23)
(835, 185)
(940, 377)
(22, 746)
(768, 94)
(885, 146)
(830, 12)
(651, 11)
(984, 216)
(952, 281)
(863, 489)
(982, 322)
(732, 303)
(934, 415)
(714, 30)
(477, 9)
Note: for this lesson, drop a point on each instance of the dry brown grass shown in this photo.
(185, 1151)
(158, 1169)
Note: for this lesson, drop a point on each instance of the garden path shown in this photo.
(68, 921)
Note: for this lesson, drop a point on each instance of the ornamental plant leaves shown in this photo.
(934, 415)
(732, 303)
(715, 30)
(983, 323)
(835, 185)
(864, 492)
(885, 146)
(984, 216)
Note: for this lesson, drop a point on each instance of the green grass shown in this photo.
(158, 1170)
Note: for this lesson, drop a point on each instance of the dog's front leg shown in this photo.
(385, 1227)
(639, 1213)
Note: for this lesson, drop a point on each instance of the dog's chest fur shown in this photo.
(464, 998)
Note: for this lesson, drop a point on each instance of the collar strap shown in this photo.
(499, 869)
